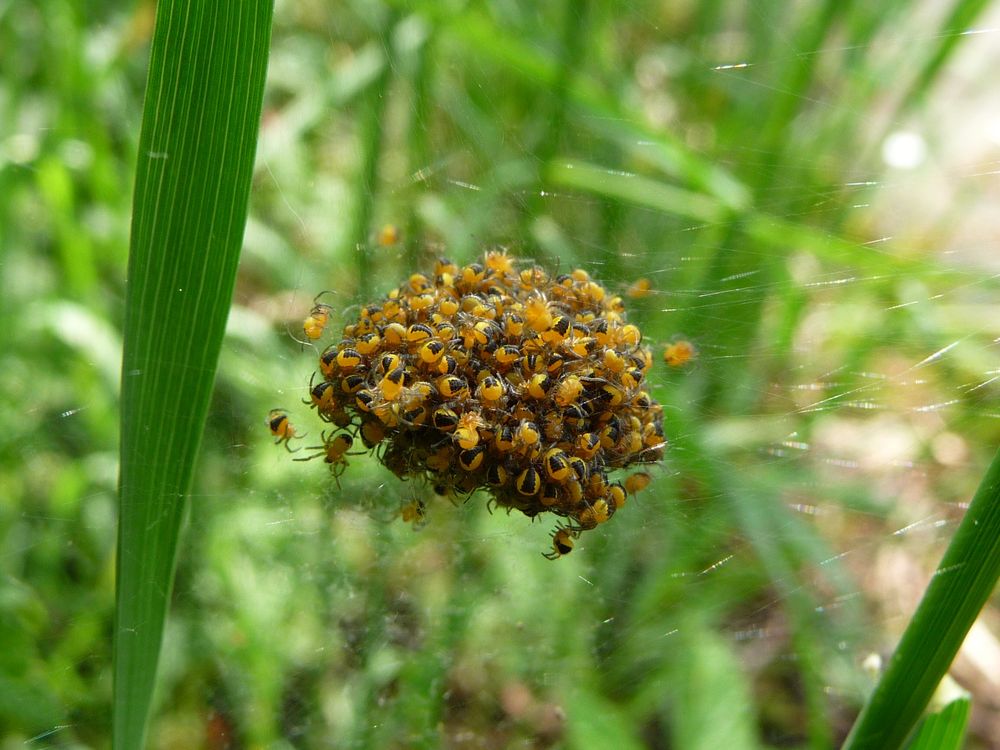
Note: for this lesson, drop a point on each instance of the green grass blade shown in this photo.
(594, 722)
(718, 712)
(770, 230)
(367, 179)
(790, 92)
(196, 155)
(419, 143)
(944, 730)
(963, 14)
(636, 189)
(571, 52)
(963, 582)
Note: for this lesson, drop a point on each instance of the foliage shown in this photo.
(842, 392)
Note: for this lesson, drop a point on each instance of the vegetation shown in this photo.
(797, 184)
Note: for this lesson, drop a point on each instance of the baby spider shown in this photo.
(388, 235)
(334, 451)
(679, 353)
(639, 288)
(467, 430)
(281, 428)
(314, 325)
(562, 542)
(414, 512)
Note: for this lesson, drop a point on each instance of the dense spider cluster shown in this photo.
(489, 377)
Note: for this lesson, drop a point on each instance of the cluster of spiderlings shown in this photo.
(488, 376)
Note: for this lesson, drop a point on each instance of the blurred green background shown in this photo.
(810, 190)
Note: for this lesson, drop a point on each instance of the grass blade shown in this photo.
(770, 230)
(960, 587)
(371, 150)
(963, 14)
(419, 143)
(196, 154)
(719, 713)
(636, 189)
(945, 729)
(790, 92)
(594, 722)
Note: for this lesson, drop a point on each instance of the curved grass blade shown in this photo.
(963, 582)
(196, 152)
(769, 230)
(636, 189)
(945, 729)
